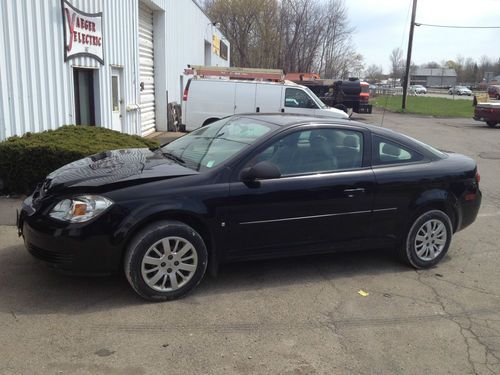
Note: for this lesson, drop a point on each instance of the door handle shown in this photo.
(352, 192)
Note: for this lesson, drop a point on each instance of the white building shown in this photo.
(112, 63)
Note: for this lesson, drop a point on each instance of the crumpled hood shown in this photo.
(115, 166)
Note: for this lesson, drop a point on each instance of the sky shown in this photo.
(382, 25)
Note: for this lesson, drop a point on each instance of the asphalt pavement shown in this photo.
(286, 316)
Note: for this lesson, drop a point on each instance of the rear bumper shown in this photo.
(469, 210)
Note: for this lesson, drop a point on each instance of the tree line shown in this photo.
(469, 71)
(293, 35)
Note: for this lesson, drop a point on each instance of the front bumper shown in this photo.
(82, 248)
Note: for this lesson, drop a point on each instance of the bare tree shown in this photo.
(373, 73)
(397, 63)
(294, 35)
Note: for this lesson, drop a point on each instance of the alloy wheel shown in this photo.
(169, 264)
(430, 240)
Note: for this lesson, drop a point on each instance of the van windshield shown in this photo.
(213, 144)
(315, 98)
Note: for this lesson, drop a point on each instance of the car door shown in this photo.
(244, 97)
(296, 100)
(317, 204)
(267, 98)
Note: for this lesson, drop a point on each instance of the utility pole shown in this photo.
(408, 56)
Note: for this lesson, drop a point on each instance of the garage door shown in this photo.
(146, 69)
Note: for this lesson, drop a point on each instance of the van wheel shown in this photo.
(209, 121)
(427, 240)
(165, 261)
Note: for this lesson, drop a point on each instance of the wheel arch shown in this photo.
(210, 120)
(188, 218)
(438, 200)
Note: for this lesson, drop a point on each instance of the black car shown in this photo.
(247, 187)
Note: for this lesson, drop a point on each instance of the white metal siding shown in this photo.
(187, 30)
(36, 90)
(146, 69)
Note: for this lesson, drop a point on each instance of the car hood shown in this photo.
(129, 166)
(334, 112)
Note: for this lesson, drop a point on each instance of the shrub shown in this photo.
(26, 160)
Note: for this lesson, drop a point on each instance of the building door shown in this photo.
(146, 70)
(83, 80)
(116, 100)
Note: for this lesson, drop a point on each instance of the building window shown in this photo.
(223, 50)
(115, 90)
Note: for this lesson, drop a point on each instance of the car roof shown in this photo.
(288, 120)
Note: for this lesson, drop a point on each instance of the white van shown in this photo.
(207, 100)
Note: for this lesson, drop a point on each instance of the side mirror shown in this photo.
(261, 171)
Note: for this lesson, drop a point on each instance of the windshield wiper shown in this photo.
(173, 157)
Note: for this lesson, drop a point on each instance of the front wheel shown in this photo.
(491, 124)
(165, 260)
(428, 239)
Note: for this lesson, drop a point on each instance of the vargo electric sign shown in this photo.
(82, 33)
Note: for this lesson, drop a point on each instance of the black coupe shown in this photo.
(247, 187)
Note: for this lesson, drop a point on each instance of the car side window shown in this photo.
(297, 98)
(388, 152)
(315, 151)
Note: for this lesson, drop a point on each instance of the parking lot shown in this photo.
(293, 316)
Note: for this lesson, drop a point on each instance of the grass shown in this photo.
(430, 106)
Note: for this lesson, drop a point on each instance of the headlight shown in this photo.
(80, 209)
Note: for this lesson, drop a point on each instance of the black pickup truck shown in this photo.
(351, 93)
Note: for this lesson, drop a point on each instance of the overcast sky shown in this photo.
(382, 25)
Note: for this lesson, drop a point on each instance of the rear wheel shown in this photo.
(427, 239)
(165, 261)
(491, 124)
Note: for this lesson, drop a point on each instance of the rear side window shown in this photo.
(386, 152)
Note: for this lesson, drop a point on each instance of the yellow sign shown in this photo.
(216, 45)
(482, 98)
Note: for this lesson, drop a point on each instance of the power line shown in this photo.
(457, 27)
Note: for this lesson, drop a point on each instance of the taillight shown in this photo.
(186, 90)
(478, 177)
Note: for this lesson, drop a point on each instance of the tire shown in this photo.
(425, 252)
(175, 250)
(491, 124)
(498, 96)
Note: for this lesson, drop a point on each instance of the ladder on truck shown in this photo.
(275, 75)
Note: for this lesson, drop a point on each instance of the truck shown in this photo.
(342, 94)
(488, 112)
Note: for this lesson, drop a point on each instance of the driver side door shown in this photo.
(298, 101)
(315, 205)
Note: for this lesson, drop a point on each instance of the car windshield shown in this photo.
(211, 145)
(315, 98)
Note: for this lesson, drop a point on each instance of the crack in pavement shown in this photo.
(466, 330)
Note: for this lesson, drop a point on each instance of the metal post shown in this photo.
(408, 56)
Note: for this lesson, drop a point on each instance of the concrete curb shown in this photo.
(8, 207)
